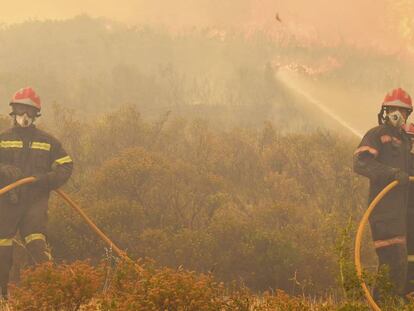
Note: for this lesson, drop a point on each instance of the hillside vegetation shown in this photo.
(195, 159)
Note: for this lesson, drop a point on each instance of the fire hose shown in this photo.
(358, 240)
(71, 203)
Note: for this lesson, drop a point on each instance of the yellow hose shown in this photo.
(64, 196)
(358, 240)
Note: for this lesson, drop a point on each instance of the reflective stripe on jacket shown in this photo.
(36, 152)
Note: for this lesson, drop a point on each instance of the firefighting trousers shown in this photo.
(390, 242)
(392, 261)
(410, 250)
(30, 221)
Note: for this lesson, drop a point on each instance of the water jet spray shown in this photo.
(283, 76)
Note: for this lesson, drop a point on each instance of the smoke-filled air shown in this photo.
(206, 155)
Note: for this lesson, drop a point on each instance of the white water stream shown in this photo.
(291, 85)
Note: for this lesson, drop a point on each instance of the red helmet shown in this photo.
(27, 96)
(409, 129)
(398, 98)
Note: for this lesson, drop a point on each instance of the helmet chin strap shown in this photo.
(23, 120)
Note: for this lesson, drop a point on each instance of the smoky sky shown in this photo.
(359, 21)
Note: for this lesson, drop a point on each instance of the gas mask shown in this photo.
(396, 119)
(24, 120)
(23, 115)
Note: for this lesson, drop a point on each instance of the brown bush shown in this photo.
(54, 288)
(130, 286)
(162, 289)
(250, 204)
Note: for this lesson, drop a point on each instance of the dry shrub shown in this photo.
(250, 204)
(137, 286)
(133, 288)
(50, 287)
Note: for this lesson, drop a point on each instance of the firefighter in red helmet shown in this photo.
(383, 156)
(27, 151)
(409, 288)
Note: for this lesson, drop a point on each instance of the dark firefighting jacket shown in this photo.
(410, 215)
(35, 153)
(383, 150)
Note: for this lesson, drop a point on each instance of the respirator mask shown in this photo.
(23, 115)
(24, 120)
(396, 119)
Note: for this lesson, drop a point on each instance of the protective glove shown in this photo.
(10, 172)
(402, 177)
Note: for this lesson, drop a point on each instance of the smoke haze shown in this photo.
(363, 21)
(361, 25)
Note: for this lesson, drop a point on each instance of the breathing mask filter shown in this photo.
(24, 120)
(396, 119)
